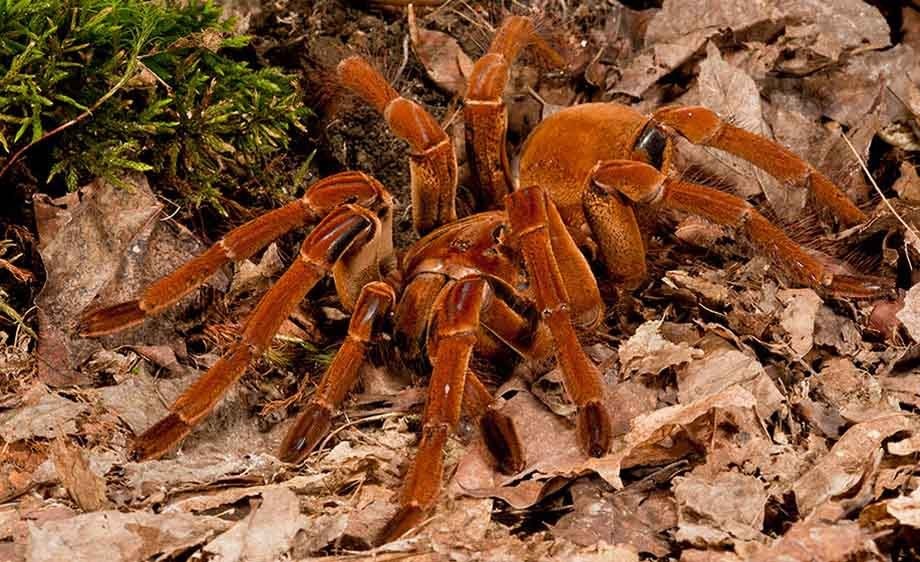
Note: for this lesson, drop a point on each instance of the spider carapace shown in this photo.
(512, 278)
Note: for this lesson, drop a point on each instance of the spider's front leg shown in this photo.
(548, 250)
(375, 301)
(327, 245)
(701, 126)
(457, 326)
(643, 184)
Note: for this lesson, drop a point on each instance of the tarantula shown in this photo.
(511, 278)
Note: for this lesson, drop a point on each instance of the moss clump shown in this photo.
(96, 87)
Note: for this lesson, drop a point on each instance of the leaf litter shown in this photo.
(752, 420)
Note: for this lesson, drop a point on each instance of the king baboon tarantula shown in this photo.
(511, 278)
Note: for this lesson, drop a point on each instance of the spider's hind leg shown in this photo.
(432, 162)
(329, 242)
(239, 244)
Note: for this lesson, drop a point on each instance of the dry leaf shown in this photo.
(50, 417)
(852, 461)
(731, 93)
(907, 185)
(836, 331)
(84, 486)
(855, 394)
(256, 278)
(444, 61)
(822, 31)
(906, 509)
(265, 534)
(798, 318)
(117, 231)
(819, 541)
(826, 30)
(903, 388)
(709, 287)
(140, 401)
(909, 315)
(119, 537)
(721, 510)
(631, 516)
(722, 366)
(548, 439)
(647, 352)
(193, 472)
(847, 93)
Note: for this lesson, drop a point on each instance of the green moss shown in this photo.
(96, 87)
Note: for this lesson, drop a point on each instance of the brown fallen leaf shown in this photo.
(851, 462)
(51, 416)
(633, 516)
(732, 93)
(84, 486)
(798, 318)
(885, 516)
(141, 401)
(692, 555)
(816, 32)
(256, 277)
(909, 315)
(854, 394)
(719, 511)
(265, 534)
(678, 31)
(826, 30)
(648, 353)
(153, 480)
(444, 61)
(709, 287)
(907, 185)
(813, 540)
(549, 438)
(848, 92)
(906, 509)
(656, 438)
(722, 366)
(903, 388)
(119, 537)
(117, 231)
(836, 331)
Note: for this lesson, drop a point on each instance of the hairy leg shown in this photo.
(239, 244)
(484, 111)
(701, 126)
(457, 325)
(432, 162)
(333, 237)
(530, 213)
(375, 301)
(643, 184)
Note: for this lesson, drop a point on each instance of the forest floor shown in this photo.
(754, 419)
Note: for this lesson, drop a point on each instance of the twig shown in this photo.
(910, 234)
(413, 32)
(342, 427)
